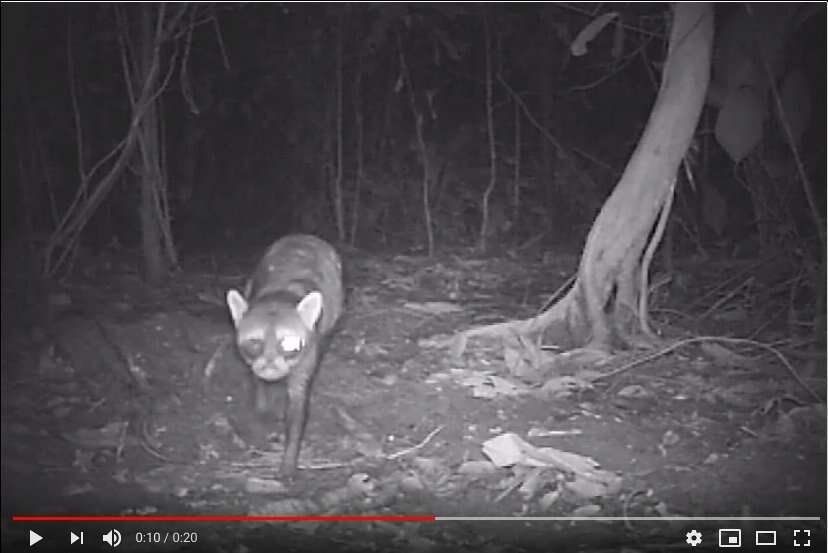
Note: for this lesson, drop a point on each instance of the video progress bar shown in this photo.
(225, 518)
(633, 519)
(398, 518)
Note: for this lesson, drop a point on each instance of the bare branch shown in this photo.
(73, 94)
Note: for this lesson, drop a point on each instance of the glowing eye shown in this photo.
(292, 343)
(252, 348)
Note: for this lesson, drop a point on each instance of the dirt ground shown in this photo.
(133, 401)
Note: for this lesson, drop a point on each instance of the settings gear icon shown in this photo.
(694, 538)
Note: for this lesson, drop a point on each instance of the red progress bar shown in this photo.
(290, 518)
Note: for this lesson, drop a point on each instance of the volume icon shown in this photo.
(112, 538)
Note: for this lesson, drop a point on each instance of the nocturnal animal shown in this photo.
(289, 308)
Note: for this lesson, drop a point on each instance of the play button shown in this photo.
(34, 537)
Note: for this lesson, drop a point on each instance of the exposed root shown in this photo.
(643, 293)
(506, 329)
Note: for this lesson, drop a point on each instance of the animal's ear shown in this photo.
(310, 308)
(237, 305)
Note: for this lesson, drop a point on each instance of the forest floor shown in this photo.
(132, 401)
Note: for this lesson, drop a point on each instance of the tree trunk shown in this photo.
(150, 178)
(600, 309)
(548, 153)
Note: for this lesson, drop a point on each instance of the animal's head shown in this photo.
(273, 338)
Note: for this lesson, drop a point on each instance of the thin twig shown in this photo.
(210, 366)
(726, 297)
(557, 293)
(420, 445)
(418, 124)
(750, 269)
(516, 482)
(490, 134)
(738, 341)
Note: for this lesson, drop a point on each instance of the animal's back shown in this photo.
(298, 264)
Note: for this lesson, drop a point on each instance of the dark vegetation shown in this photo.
(457, 156)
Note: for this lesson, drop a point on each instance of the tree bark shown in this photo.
(150, 177)
(606, 291)
(600, 309)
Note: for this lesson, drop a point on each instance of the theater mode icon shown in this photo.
(765, 537)
(730, 537)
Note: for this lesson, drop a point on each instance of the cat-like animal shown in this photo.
(289, 308)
